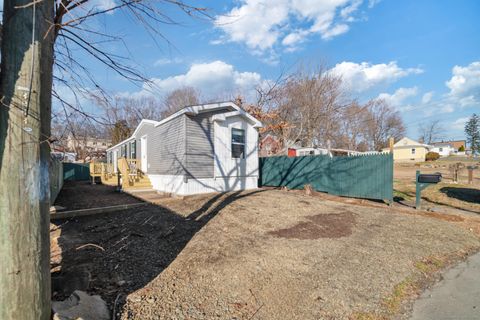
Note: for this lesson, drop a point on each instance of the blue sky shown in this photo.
(421, 56)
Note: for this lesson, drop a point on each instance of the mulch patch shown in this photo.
(77, 195)
(330, 225)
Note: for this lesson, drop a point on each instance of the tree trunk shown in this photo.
(25, 114)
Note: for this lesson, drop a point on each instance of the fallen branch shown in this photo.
(122, 247)
(169, 232)
(255, 313)
(148, 219)
(90, 245)
(124, 238)
(256, 301)
(115, 306)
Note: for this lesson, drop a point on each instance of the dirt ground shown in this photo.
(263, 254)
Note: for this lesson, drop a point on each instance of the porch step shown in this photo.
(141, 183)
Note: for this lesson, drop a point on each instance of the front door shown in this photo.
(143, 143)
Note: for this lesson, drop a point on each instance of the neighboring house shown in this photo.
(60, 153)
(444, 149)
(455, 145)
(408, 150)
(269, 146)
(309, 151)
(312, 151)
(199, 149)
(87, 146)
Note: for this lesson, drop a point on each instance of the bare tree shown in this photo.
(303, 107)
(353, 133)
(179, 98)
(383, 122)
(430, 132)
(128, 110)
(310, 108)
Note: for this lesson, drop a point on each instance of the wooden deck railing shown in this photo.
(96, 169)
(129, 170)
(107, 170)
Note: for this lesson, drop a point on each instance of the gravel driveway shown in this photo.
(265, 254)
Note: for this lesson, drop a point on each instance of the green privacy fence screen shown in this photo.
(365, 176)
(76, 171)
(56, 178)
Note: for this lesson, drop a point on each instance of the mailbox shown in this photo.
(423, 181)
(429, 178)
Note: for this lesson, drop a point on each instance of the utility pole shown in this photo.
(25, 114)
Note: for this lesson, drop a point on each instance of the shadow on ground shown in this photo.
(464, 194)
(117, 253)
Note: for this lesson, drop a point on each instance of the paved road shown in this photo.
(457, 296)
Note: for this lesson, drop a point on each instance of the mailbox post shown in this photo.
(422, 181)
(470, 173)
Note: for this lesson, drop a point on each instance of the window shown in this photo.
(133, 149)
(238, 143)
(440, 149)
(413, 151)
(124, 151)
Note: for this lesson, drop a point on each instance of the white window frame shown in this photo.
(238, 143)
(131, 149)
(413, 151)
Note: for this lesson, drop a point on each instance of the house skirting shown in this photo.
(181, 186)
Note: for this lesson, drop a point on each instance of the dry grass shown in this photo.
(267, 254)
(464, 197)
(253, 245)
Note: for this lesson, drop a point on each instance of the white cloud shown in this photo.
(459, 124)
(427, 97)
(105, 4)
(464, 84)
(373, 3)
(335, 31)
(294, 38)
(255, 23)
(464, 91)
(364, 76)
(399, 96)
(347, 12)
(262, 24)
(98, 5)
(212, 79)
(166, 61)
